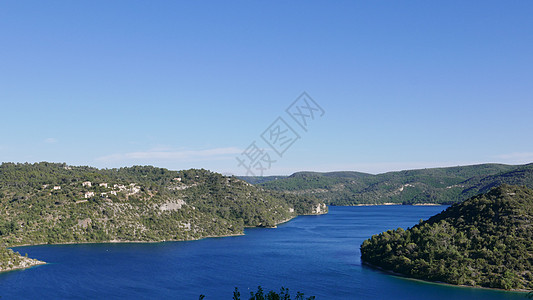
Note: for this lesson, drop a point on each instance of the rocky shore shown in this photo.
(17, 262)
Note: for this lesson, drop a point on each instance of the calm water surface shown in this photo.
(318, 255)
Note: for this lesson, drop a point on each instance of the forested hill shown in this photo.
(56, 203)
(437, 185)
(485, 241)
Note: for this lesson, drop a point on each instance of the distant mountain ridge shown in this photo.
(434, 185)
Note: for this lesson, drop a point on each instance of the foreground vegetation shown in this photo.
(260, 294)
(486, 241)
(438, 185)
(48, 203)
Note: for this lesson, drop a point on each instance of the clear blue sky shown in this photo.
(404, 84)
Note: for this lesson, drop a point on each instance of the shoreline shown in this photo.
(126, 241)
(25, 264)
(393, 204)
(376, 204)
(114, 241)
(31, 262)
(403, 276)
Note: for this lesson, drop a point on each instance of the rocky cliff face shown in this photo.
(320, 209)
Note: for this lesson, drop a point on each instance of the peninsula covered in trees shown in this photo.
(486, 241)
(51, 203)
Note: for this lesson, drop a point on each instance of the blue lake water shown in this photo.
(318, 255)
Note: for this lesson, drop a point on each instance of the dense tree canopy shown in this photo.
(485, 241)
(261, 294)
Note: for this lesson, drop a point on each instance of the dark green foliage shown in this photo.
(260, 294)
(438, 185)
(485, 241)
(8, 258)
(521, 175)
(260, 179)
(141, 203)
(236, 294)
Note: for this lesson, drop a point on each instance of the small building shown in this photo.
(178, 179)
(86, 183)
(89, 195)
(119, 186)
(57, 187)
(113, 193)
(103, 184)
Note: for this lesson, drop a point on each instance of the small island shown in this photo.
(486, 241)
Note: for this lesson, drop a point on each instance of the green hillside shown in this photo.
(485, 241)
(436, 185)
(521, 175)
(260, 179)
(55, 203)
